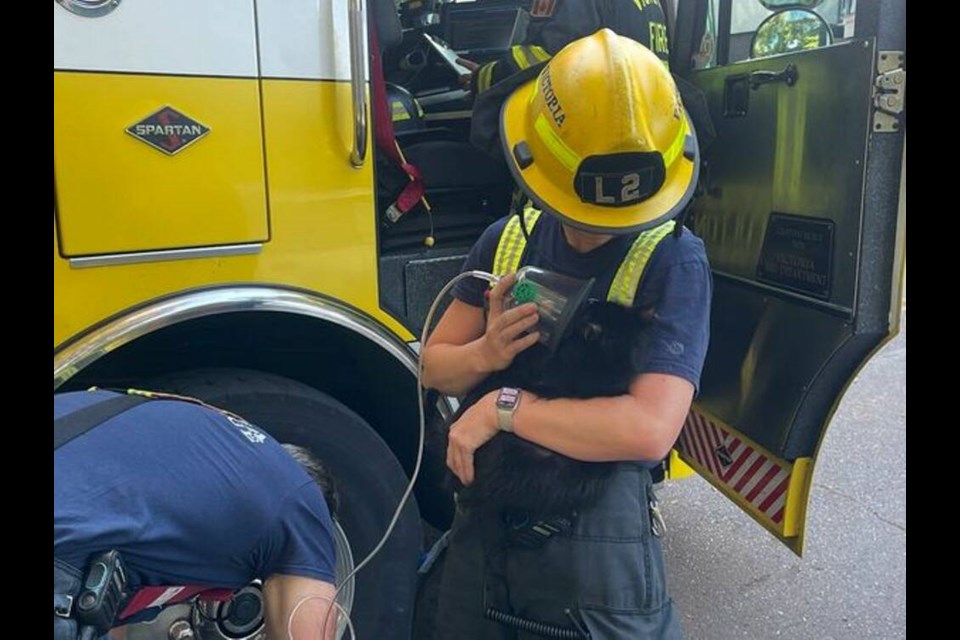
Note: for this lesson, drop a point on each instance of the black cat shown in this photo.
(595, 358)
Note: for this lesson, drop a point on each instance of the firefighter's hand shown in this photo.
(466, 80)
(505, 335)
(474, 428)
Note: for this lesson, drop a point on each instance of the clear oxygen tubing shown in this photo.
(353, 635)
(482, 275)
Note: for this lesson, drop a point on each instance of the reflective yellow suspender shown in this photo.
(512, 242)
(624, 287)
(625, 283)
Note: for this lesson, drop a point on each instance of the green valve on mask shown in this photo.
(525, 292)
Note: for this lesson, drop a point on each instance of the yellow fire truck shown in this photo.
(226, 227)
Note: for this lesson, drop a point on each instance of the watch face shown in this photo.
(508, 398)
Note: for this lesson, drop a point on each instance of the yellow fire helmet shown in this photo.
(601, 139)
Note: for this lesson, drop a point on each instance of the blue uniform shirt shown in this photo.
(189, 496)
(675, 291)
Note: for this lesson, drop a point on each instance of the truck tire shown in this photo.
(368, 479)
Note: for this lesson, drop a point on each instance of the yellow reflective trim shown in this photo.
(531, 57)
(519, 241)
(530, 215)
(512, 242)
(539, 53)
(504, 247)
(676, 147)
(485, 77)
(518, 56)
(625, 283)
(567, 156)
(399, 112)
(516, 243)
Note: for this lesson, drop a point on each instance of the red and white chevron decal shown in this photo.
(758, 479)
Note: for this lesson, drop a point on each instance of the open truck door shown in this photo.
(803, 214)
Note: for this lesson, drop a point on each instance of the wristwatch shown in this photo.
(507, 402)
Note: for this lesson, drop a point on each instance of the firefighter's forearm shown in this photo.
(455, 369)
(635, 426)
(594, 430)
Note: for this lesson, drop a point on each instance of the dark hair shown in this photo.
(318, 472)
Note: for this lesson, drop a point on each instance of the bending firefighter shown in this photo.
(603, 148)
(160, 498)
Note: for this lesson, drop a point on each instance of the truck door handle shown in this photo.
(788, 76)
(736, 94)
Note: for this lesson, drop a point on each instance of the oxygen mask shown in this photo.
(558, 297)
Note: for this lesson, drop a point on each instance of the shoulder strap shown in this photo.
(72, 425)
(513, 242)
(625, 283)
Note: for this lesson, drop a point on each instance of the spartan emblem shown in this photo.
(168, 130)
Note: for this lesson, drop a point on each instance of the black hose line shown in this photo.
(539, 628)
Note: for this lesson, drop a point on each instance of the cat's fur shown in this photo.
(595, 358)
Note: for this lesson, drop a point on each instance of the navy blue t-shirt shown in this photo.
(675, 291)
(188, 495)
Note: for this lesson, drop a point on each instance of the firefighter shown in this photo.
(174, 498)
(554, 24)
(602, 146)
